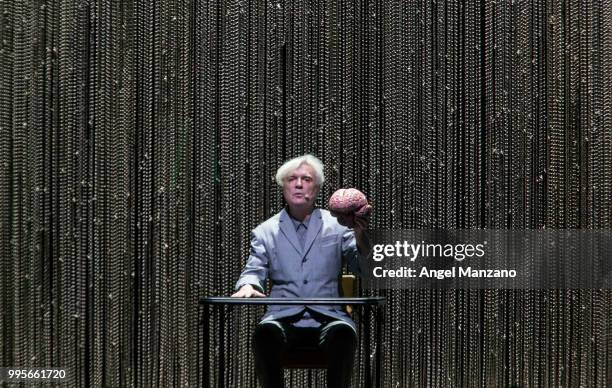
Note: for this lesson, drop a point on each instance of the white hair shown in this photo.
(289, 166)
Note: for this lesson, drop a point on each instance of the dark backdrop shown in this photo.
(139, 140)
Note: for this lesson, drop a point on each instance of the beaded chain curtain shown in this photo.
(139, 141)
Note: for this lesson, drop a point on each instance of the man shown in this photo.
(301, 250)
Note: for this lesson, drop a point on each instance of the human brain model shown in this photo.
(346, 204)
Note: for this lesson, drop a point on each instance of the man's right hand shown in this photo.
(247, 291)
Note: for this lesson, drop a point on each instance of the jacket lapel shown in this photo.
(286, 226)
(314, 226)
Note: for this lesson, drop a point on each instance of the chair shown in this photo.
(312, 357)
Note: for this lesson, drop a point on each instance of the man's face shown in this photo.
(299, 187)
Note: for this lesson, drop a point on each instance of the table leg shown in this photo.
(378, 345)
(221, 354)
(366, 328)
(206, 345)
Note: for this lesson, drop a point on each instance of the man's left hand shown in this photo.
(362, 240)
(361, 224)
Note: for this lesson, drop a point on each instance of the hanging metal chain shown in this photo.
(139, 143)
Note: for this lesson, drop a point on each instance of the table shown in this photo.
(367, 302)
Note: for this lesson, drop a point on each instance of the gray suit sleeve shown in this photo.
(255, 271)
(350, 252)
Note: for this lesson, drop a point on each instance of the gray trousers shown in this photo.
(271, 338)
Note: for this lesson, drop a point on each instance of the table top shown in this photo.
(225, 300)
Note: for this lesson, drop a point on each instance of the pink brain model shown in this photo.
(346, 204)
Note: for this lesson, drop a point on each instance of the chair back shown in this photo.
(348, 289)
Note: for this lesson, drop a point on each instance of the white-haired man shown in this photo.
(301, 250)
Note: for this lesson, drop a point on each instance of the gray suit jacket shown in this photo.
(295, 272)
